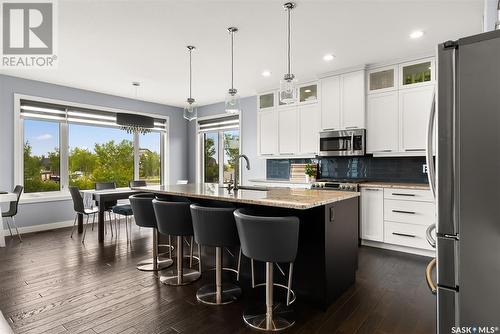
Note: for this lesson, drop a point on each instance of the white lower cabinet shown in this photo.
(372, 214)
(400, 217)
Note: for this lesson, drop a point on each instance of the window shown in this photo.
(150, 158)
(220, 147)
(98, 154)
(42, 165)
(60, 145)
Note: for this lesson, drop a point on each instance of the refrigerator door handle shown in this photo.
(430, 137)
(428, 235)
(428, 276)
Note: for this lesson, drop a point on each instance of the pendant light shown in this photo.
(232, 104)
(288, 85)
(190, 110)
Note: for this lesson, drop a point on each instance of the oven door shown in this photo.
(342, 143)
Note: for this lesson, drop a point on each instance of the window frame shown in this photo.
(200, 170)
(63, 194)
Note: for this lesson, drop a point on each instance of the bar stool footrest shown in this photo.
(281, 286)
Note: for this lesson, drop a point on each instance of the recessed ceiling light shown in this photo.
(328, 57)
(417, 34)
(266, 73)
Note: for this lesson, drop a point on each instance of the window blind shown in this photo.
(71, 114)
(220, 123)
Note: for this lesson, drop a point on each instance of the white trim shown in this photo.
(40, 227)
(410, 250)
(399, 60)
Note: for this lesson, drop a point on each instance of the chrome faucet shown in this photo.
(237, 168)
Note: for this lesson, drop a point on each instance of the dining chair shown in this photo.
(79, 208)
(108, 206)
(12, 212)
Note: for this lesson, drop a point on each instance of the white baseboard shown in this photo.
(37, 228)
(411, 250)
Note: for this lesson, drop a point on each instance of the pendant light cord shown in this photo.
(232, 59)
(190, 74)
(289, 42)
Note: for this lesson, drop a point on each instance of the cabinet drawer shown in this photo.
(409, 235)
(408, 194)
(423, 213)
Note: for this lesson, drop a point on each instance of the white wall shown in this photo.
(248, 132)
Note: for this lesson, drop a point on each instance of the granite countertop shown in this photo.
(283, 197)
(418, 186)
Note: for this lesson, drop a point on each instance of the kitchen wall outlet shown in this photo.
(424, 168)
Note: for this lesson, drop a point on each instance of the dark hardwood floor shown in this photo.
(53, 284)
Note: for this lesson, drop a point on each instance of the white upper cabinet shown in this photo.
(343, 101)
(308, 93)
(288, 129)
(267, 100)
(372, 214)
(417, 73)
(267, 132)
(309, 124)
(383, 79)
(382, 134)
(352, 88)
(330, 103)
(414, 107)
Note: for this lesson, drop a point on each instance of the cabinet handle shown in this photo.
(383, 151)
(414, 150)
(329, 129)
(372, 189)
(287, 153)
(351, 127)
(401, 211)
(404, 235)
(267, 154)
(407, 195)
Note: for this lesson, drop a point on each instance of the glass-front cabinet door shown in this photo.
(417, 73)
(382, 79)
(308, 93)
(266, 100)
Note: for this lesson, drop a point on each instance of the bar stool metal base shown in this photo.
(171, 277)
(207, 294)
(282, 318)
(145, 266)
(280, 286)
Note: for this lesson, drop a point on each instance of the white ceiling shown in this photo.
(105, 45)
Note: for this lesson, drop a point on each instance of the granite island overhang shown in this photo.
(326, 261)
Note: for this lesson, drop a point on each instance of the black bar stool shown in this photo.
(174, 218)
(215, 227)
(271, 240)
(142, 207)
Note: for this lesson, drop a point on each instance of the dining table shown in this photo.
(102, 197)
(5, 197)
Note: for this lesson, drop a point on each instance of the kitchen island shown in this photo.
(326, 260)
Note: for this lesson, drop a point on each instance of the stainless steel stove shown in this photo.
(340, 185)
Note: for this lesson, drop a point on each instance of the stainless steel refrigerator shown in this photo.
(466, 182)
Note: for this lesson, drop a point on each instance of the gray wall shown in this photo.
(248, 132)
(58, 211)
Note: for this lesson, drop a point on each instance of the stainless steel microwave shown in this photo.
(342, 143)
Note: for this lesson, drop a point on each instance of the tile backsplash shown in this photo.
(404, 169)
